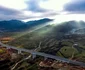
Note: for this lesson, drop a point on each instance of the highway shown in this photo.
(46, 55)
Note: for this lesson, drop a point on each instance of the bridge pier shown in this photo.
(33, 56)
(19, 52)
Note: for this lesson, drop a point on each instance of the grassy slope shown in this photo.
(32, 40)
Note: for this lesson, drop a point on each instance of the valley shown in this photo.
(57, 40)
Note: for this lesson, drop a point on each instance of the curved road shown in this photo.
(46, 55)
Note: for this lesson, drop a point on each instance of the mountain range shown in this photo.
(17, 25)
(69, 26)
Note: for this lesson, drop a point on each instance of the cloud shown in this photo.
(14, 4)
(33, 5)
(76, 6)
(8, 11)
(10, 17)
(32, 11)
(37, 11)
(8, 14)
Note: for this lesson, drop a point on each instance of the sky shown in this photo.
(60, 10)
